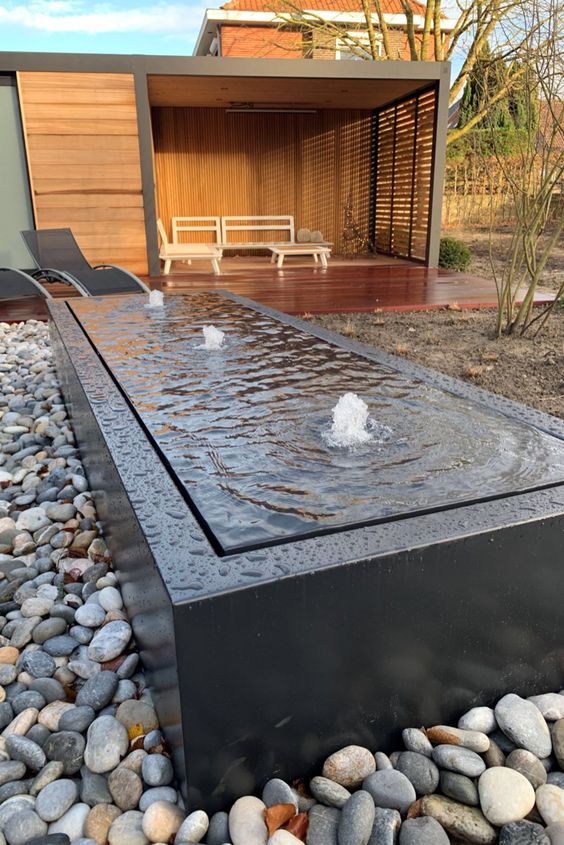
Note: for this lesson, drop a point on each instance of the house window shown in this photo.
(356, 46)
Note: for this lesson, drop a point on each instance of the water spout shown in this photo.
(213, 338)
(156, 299)
(350, 422)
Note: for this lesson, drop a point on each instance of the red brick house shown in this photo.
(252, 28)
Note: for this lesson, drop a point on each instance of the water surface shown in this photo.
(242, 426)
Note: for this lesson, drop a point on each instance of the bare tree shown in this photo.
(479, 22)
(536, 179)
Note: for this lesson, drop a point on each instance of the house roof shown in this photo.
(389, 7)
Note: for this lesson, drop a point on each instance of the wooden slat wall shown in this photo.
(210, 162)
(404, 168)
(83, 155)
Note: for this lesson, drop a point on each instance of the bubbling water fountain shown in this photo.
(213, 338)
(350, 422)
(156, 299)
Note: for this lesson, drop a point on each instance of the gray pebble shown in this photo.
(94, 788)
(98, 691)
(459, 788)
(160, 793)
(328, 792)
(415, 740)
(29, 698)
(323, 824)
(382, 761)
(218, 831)
(14, 787)
(423, 831)
(68, 747)
(6, 714)
(48, 629)
(556, 779)
(61, 646)
(357, 819)
(11, 770)
(24, 826)
(50, 688)
(277, 791)
(21, 748)
(38, 664)
(78, 719)
(55, 799)
(386, 826)
(390, 789)
(157, 770)
(523, 833)
(524, 724)
(460, 760)
(39, 734)
(420, 771)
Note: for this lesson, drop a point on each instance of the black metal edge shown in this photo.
(191, 570)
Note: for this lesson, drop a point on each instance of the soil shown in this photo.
(478, 241)
(463, 344)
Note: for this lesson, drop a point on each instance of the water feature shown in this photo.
(213, 338)
(246, 432)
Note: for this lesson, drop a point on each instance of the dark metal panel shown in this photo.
(147, 173)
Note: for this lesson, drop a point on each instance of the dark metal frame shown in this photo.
(141, 67)
(28, 278)
(241, 650)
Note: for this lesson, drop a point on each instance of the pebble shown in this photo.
(420, 771)
(444, 735)
(459, 788)
(125, 787)
(51, 715)
(68, 748)
(277, 791)
(505, 795)
(28, 752)
(110, 641)
(459, 820)
(555, 833)
(550, 803)
(99, 821)
(283, 837)
(77, 719)
(460, 760)
(390, 789)
(349, 766)
(246, 821)
(385, 828)
(133, 712)
(528, 765)
(11, 770)
(24, 826)
(550, 704)
(127, 829)
(480, 719)
(107, 742)
(423, 831)
(523, 833)
(356, 820)
(94, 788)
(98, 691)
(195, 826)
(322, 830)
(49, 773)
(328, 792)
(90, 615)
(218, 830)
(72, 822)
(558, 741)
(524, 724)
(110, 598)
(157, 770)
(55, 799)
(415, 740)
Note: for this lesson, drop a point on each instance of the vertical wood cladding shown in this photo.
(83, 155)
(209, 162)
(404, 170)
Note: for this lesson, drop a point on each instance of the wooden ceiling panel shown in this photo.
(262, 92)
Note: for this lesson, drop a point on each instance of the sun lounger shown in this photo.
(59, 259)
(170, 252)
(15, 284)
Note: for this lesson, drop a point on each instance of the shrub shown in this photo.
(454, 255)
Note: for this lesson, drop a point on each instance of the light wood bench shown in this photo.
(170, 252)
(319, 253)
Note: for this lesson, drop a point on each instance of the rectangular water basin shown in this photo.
(290, 596)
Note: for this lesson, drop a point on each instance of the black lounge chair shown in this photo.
(15, 284)
(60, 259)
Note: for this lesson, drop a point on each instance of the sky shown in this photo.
(86, 26)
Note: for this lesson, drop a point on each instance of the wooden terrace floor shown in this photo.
(300, 287)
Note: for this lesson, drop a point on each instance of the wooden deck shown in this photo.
(300, 288)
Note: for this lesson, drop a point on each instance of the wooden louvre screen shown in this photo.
(404, 140)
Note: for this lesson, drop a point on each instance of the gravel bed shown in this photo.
(82, 759)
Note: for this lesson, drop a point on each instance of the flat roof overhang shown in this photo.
(221, 82)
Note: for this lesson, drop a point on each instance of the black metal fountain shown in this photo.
(318, 543)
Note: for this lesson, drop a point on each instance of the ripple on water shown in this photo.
(243, 427)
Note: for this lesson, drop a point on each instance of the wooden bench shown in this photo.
(319, 253)
(175, 251)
